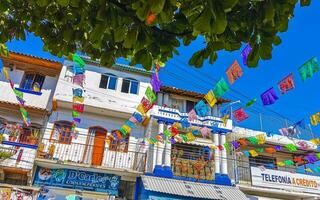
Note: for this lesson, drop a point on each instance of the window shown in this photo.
(32, 81)
(177, 104)
(130, 86)
(190, 105)
(62, 132)
(108, 81)
(120, 145)
(29, 135)
(266, 161)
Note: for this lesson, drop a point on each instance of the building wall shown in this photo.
(43, 101)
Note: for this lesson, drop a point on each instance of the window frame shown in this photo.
(108, 76)
(265, 161)
(34, 74)
(130, 85)
(63, 139)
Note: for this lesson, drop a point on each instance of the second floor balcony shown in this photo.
(97, 155)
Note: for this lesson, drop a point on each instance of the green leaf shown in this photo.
(143, 57)
(119, 34)
(305, 3)
(202, 24)
(269, 12)
(63, 3)
(43, 3)
(229, 4)
(157, 6)
(196, 59)
(131, 38)
(276, 40)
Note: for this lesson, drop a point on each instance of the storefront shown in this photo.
(157, 188)
(69, 183)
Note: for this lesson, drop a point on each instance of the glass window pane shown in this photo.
(112, 83)
(125, 86)
(27, 81)
(103, 81)
(134, 87)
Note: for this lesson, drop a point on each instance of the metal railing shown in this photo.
(93, 155)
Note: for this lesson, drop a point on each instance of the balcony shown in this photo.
(193, 162)
(91, 156)
(173, 115)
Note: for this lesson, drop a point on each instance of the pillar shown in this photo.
(224, 165)
(216, 154)
(167, 152)
(160, 145)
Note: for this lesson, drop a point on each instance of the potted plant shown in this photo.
(33, 138)
(12, 136)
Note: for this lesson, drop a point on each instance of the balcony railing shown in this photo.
(92, 155)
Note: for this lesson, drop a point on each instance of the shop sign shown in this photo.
(77, 179)
(285, 180)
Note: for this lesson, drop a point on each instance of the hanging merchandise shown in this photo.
(291, 147)
(253, 153)
(269, 97)
(261, 139)
(251, 102)
(315, 119)
(221, 88)
(234, 72)
(253, 140)
(245, 53)
(201, 108)
(286, 84)
(240, 115)
(311, 158)
(309, 68)
(270, 150)
(210, 98)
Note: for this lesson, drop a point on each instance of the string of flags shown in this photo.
(18, 94)
(146, 103)
(78, 79)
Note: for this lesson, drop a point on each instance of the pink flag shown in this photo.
(192, 115)
(240, 115)
(79, 79)
(204, 131)
(78, 107)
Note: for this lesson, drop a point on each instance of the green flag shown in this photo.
(18, 93)
(152, 97)
(309, 68)
(78, 59)
(221, 88)
(251, 102)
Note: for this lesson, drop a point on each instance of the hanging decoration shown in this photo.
(201, 108)
(234, 72)
(245, 53)
(251, 102)
(221, 88)
(286, 84)
(315, 119)
(309, 68)
(269, 97)
(19, 97)
(240, 115)
(210, 98)
(78, 80)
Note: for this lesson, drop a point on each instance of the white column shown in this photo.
(160, 145)
(216, 153)
(224, 164)
(167, 152)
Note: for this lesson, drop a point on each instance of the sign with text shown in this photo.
(77, 179)
(285, 180)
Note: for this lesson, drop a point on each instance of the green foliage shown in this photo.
(148, 30)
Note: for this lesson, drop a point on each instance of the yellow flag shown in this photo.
(6, 73)
(225, 120)
(281, 164)
(261, 138)
(253, 153)
(190, 136)
(140, 109)
(315, 119)
(211, 98)
(126, 128)
(78, 99)
(315, 141)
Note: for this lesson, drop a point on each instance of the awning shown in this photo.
(192, 189)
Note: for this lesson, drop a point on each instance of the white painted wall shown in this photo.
(43, 101)
(98, 97)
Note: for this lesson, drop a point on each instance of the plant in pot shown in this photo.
(33, 138)
(12, 136)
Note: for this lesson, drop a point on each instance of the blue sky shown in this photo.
(299, 43)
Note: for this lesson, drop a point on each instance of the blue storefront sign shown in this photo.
(76, 179)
